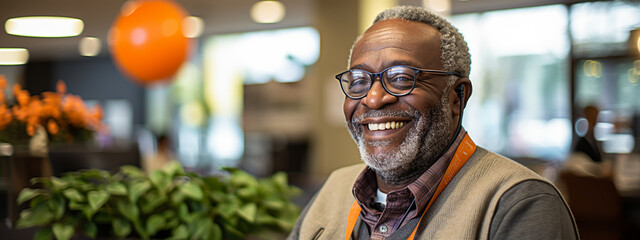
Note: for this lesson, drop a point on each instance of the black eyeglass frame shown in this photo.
(379, 76)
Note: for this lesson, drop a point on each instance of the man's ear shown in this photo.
(462, 92)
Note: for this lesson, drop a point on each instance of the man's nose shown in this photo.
(378, 97)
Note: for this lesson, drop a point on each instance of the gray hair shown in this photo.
(455, 55)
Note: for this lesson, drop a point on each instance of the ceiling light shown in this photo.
(41, 26)
(192, 27)
(267, 12)
(13, 56)
(89, 46)
(440, 6)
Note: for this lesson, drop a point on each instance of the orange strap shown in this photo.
(463, 153)
(354, 212)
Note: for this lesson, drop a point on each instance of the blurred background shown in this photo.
(256, 90)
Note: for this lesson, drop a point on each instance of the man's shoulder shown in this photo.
(349, 170)
(344, 176)
(497, 162)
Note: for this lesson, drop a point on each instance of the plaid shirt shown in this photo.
(384, 223)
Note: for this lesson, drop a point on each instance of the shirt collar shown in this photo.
(365, 186)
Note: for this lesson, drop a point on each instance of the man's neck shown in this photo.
(387, 188)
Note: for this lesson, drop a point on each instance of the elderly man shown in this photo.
(424, 178)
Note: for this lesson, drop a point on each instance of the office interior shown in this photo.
(262, 96)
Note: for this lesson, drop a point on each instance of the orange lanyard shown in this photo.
(463, 153)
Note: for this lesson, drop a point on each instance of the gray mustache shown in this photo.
(386, 113)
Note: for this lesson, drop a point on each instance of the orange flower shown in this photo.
(22, 96)
(20, 113)
(59, 112)
(3, 82)
(52, 127)
(61, 87)
(51, 106)
(5, 116)
(31, 129)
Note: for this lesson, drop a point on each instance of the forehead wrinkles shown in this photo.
(385, 38)
(419, 41)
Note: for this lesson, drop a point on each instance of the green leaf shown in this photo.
(97, 199)
(192, 190)
(76, 205)
(177, 197)
(227, 210)
(201, 227)
(121, 227)
(161, 180)
(90, 229)
(232, 232)
(216, 232)
(129, 210)
(62, 231)
(88, 212)
(73, 195)
(57, 204)
(274, 204)
(248, 212)
(152, 200)
(58, 183)
(183, 213)
(27, 194)
(171, 217)
(265, 219)
(249, 192)
(280, 179)
(172, 168)
(132, 171)
(39, 215)
(137, 188)
(140, 230)
(243, 179)
(180, 232)
(43, 234)
(117, 188)
(155, 223)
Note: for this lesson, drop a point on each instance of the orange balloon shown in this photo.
(147, 42)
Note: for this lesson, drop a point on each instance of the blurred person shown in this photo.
(588, 144)
(423, 176)
(586, 157)
(161, 157)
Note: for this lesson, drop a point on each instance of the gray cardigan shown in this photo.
(492, 197)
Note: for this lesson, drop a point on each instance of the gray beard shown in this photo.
(421, 148)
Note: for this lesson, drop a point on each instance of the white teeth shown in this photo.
(384, 126)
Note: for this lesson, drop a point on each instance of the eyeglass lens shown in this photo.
(397, 80)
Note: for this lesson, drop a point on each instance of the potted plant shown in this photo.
(168, 203)
(29, 124)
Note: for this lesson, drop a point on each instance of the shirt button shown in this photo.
(383, 228)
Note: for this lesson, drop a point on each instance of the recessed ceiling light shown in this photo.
(89, 46)
(192, 27)
(13, 56)
(44, 26)
(267, 12)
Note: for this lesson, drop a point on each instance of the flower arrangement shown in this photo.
(64, 116)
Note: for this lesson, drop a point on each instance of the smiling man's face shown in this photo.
(419, 124)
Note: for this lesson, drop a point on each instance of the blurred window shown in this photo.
(602, 28)
(519, 105)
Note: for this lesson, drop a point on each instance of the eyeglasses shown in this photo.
(396, 80)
